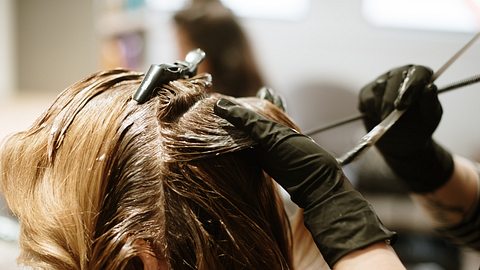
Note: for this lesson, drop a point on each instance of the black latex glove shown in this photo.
(270, 95)
(408, 147)
(338, 217)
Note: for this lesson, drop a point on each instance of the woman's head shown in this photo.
(214, 28)
(101, 182)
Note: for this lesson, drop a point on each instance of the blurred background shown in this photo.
(316, 54)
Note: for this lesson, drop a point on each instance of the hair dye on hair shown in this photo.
(99, 180)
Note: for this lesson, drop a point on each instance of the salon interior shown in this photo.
(317, 54)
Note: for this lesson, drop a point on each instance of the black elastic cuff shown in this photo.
(345, 223)
(426, 171)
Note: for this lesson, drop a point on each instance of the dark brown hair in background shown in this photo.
(214, 28)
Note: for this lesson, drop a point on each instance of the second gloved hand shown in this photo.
(408, 147)
(338, 217)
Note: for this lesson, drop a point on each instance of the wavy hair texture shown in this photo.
(98, 180)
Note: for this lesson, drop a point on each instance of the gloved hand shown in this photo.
(270, 95)
(408, 147)
(338, 217)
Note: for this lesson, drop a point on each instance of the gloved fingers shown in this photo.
(367, 106)
(385, 90)
(415, 80)
(269, 94)
(429, 99)
(395, 79)
(431, 109)
(370, 101)
(261, 129)
(233, 112)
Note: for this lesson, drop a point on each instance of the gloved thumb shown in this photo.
(242, 118)
(234, 113)
(417, 78)
(259, 128)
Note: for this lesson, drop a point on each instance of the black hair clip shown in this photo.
(157, 75)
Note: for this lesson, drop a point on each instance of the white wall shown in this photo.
(44, 47)
(7, 48)
(56, 43)
(336, 46)
(333, 48)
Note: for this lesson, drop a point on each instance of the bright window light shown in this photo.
(270, 9)
(444, 15)
(264, 9)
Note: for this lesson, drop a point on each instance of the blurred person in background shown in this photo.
(209, 25)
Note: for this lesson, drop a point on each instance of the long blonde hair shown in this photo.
(99, 179)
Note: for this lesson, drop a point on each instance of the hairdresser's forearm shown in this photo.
(452, 202)
(376, 256)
